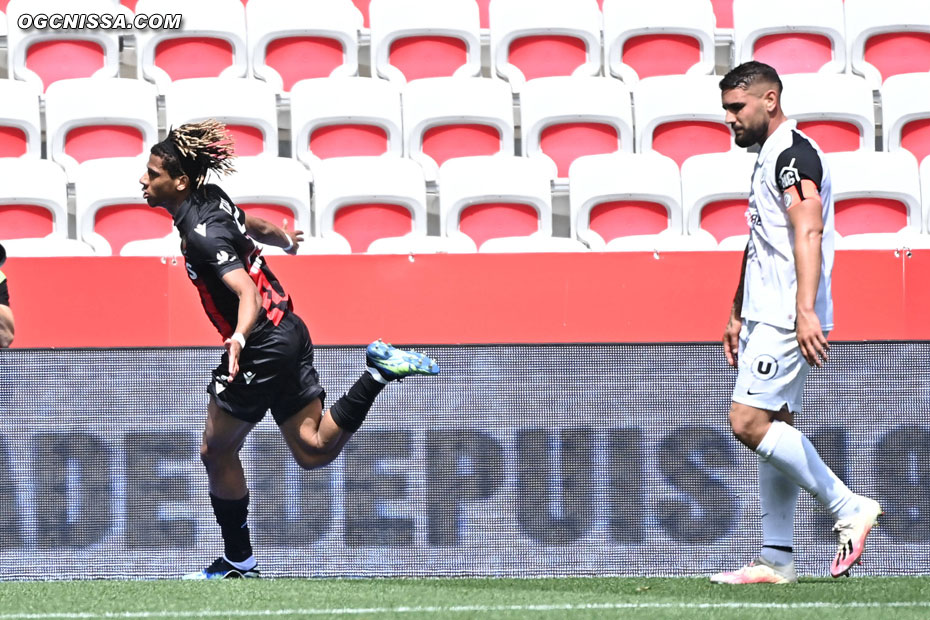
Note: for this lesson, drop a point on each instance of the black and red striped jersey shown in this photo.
(214, 242)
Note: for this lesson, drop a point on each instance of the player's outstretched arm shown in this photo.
(264, 231)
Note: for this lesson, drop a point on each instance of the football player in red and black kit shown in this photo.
(268, 362)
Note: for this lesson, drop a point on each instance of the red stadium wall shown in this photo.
(453, 299)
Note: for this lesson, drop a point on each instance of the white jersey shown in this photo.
(770, 284)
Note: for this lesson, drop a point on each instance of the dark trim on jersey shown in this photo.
(799, 161)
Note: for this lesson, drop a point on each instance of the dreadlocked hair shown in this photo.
(194, 149)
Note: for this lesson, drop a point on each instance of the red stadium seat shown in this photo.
(663, 37)
(906, 114)
(626, 201)
(361, 199)
(531, 39)
(800, 37)
(836, 110)
(414, 39)
(340, 117)
(875, 194)
(211, 42)
(43, 57)
(91, 118)
(715, 193)
(678, 126)
(293, 40)
(20, 125)
(33, 199)
(567, 117)
(110, 210)
(456, 117)
(888, 38)
(248, 107)
(491, 197)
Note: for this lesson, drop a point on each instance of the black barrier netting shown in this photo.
(516, 460)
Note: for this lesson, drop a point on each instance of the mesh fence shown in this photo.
(516, 460)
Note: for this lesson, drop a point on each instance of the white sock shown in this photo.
(778, 499)
(247, 564)
(794, 455)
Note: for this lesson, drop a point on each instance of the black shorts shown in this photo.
(275, 372)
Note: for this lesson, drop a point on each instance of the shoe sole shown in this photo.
(422, 364)
(856, 558)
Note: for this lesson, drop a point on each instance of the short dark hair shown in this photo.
(749, 73)
(194, 149)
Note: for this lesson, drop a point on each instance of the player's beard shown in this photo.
(752, 135)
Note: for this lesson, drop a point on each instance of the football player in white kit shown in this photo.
(777, 328)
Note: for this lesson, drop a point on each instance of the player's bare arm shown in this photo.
(264, 231)
(7, 330)
(735, 322)
(250, 304)
(806, 217)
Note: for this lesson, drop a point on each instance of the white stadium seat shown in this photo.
(91, 118)
(658, 37)
(338, 117)
(456, 117)
(292, 40)
(361, 199)
(210, 43)
(248, 107)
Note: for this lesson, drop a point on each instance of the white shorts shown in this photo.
(772, 371)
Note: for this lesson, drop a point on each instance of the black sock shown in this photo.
(350, 410)
(232, 516)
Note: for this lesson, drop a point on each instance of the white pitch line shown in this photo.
(239, 613)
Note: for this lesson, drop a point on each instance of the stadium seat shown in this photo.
(715, 194)
(20, 124)
(111, 213)
(797, 36)
(456, 117)
(875, 193)
(33, 199)
(360, 199)
(925, 193)
(248, 107)
(888, 38)
(90, 118)
(659, 37)
(680, 116)
(544, 38)
(628, 201)
(413, 39)
(723, 12)
(906, 114)
(211, 42)
(276, 189)
(42, 57)
(836, 110)
(482, 198)
(339, 117)
(566, 117)
(293, 40)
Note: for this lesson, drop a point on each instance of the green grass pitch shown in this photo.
(464, 598)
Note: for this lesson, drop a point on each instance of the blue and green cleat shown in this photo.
(392, 364)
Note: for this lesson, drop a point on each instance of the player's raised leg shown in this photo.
(316, 439)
